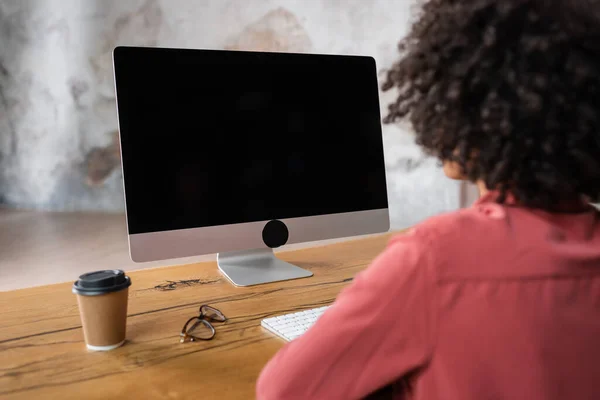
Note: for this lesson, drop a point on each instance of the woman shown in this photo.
(502, 300)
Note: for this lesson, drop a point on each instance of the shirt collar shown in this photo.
(566, 207)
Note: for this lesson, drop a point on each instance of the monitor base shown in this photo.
(254, 267)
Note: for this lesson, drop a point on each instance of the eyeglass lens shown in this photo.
(200, 329)
(212, 314)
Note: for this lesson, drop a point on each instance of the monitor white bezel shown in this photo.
(155, 246)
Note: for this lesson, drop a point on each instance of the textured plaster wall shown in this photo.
(58, 141)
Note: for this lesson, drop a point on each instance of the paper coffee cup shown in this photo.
(102, 298)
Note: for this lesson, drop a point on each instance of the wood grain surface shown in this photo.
(43, 356)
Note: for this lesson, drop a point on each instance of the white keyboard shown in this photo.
(291, 326)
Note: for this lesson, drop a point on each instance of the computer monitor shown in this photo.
(238, 153)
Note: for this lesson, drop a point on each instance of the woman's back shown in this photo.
(492, 302)
(517, 297)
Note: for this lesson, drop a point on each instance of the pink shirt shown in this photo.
(491, 302)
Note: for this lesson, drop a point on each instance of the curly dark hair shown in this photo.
(510, 91)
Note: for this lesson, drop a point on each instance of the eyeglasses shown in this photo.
(200, 327)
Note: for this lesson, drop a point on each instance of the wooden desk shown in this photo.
(42, 354)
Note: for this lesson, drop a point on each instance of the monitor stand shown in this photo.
(253, 267)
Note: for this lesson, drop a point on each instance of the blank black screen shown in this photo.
(221, 137)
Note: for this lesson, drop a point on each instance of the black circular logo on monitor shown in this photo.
(275, 234)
